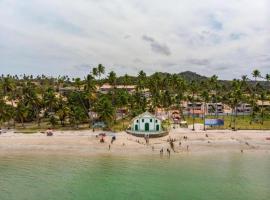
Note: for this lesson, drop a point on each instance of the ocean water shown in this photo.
(210, 176)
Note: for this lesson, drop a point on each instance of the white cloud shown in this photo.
(209, 37)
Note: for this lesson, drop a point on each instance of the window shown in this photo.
(137, 121)
(156, 121)
(142, 120)
(151, 120)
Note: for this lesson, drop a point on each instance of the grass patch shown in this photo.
(242, 123)
(121, 125)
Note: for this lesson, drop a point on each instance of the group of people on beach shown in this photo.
(168, 152)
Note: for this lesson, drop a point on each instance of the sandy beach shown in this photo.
(86, 142)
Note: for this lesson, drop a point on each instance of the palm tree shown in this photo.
(112, 79)
(7, 85)
(32, 100)
(267, 77)
(180, 90)
(105, 110)
(49, 100)
(77, 83)
(205, 98)
(22, 112)
(98, 71)
(256, 74)
(90, 89)
(193, 89)
(2, 111)
(263, 97)
(95, 72)
(235, 98)
(62, 111)
(215, 86)
(141, 80)
(101, 70)
(126, 80)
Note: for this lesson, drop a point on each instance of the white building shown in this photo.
(146, 123)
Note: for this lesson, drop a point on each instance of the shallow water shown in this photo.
(223, 176)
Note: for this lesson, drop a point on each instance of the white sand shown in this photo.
(85, 142)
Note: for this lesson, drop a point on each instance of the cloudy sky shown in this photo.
(224, 37)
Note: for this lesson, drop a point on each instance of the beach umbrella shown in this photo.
(102, 134)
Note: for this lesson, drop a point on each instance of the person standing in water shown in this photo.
(169, 152)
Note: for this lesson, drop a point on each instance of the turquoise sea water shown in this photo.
(220, 176)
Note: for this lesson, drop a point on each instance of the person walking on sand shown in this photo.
(109, 147)
(161, 150)
(172, 145)
(187, 147)
(113, 139)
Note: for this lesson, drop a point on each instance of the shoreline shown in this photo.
(86, 143)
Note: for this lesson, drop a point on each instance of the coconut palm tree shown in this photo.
(7, 85)
(90, 89)
(205, 97)
(263, 97)
(126, 80)
(22, 112)
(2, 110)
(180, 90)
(105, 110)
(214, 84)
(95, 72)
(62, 111)
(193, 88)
(267, 77)
(77, 83)
(101, 70)
(256, 74)
(236, 96)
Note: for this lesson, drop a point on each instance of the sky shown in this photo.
(228, 38)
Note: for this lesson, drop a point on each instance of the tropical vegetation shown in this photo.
(63, 102)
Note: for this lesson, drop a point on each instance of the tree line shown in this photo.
(68, 101)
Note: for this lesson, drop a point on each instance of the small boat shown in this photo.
(268, 138)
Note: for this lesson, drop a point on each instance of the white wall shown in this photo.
(146, 119)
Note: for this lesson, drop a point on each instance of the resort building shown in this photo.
(263, 104)
(244, 108)
(214, 108)
(197, 109)
(105, 88)
(146, 124)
